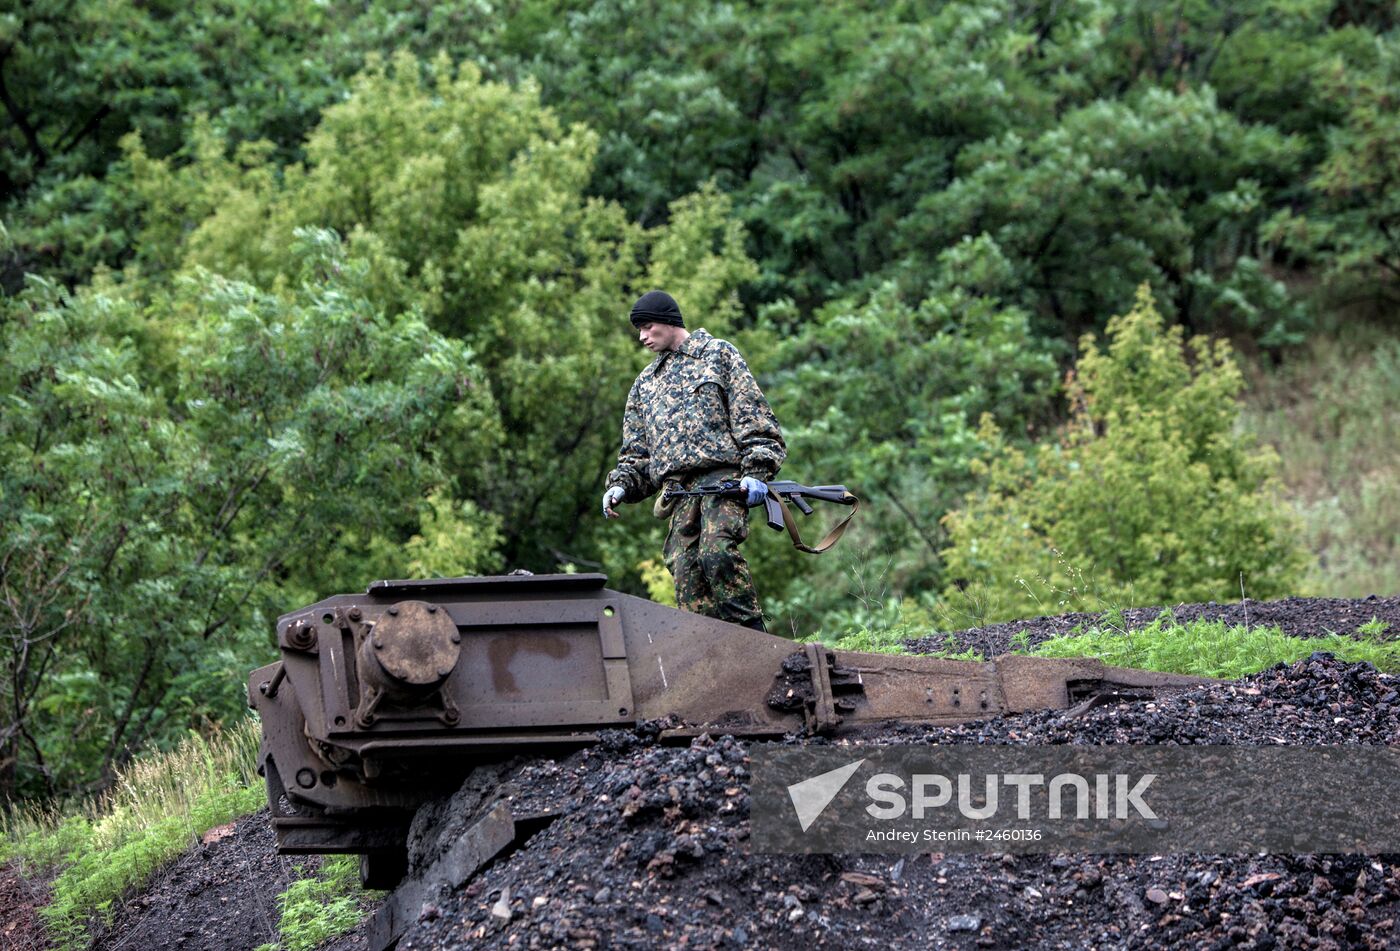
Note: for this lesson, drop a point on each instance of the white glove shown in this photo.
(610, 498)
(755, 488)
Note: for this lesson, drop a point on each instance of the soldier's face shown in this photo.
(658, 337)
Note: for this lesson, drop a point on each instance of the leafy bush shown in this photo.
(172, 472)
(1118, 193)
(1149, 497)
(883, 393)
(1349, 233)
(465, 201)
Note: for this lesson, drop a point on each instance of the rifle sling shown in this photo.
(832, 537)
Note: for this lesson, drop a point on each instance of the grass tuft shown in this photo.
(1207, 648)
(876, 640)
(1331, 413)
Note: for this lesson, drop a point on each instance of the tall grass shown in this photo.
(1332, 410)
(113, 843)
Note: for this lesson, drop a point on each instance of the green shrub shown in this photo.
(879, 626)
(1373, 628)
(1151, 496)
(883, 392)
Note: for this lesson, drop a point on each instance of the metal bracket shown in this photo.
(820, 710)
(823, 710)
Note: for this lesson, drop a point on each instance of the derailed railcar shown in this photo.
(384, 700)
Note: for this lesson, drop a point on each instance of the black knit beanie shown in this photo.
(657, 307)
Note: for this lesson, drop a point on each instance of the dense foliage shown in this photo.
(1149, 496)
(300, 295)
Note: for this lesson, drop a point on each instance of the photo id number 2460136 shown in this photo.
(1007, 835)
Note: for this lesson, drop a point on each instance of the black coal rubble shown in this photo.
(650, 850)
(1318, 701)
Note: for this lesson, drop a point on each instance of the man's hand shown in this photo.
(755, 488)
(611, 498)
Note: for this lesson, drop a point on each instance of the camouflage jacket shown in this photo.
(693, 409)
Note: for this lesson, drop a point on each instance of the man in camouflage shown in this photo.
(696, 416)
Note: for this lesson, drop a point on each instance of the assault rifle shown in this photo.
(775, 505)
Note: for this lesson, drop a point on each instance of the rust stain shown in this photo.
(503, 651)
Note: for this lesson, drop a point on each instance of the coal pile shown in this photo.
(650, 849)
(1314, 702)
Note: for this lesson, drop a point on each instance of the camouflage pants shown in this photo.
(702, 552)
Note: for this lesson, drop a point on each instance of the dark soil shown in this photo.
(21, 897)
(651, 848)
(219, 896)
(1297, 617)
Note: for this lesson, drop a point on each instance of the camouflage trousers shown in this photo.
(702, 552)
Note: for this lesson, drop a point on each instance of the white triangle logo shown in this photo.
(811, 796)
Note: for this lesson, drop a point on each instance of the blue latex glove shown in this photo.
(610, 498)
(755, 488)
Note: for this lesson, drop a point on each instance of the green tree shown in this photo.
(1167, 189)
(1150, 497)
(466, 201)
(148, 535)
(885, 393)
(1351, 232)
(77, 75)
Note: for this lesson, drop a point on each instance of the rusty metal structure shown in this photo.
(385, 700)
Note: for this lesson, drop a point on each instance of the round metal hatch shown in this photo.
(416, 643)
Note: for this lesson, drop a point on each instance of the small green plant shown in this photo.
(866, 640)
(1209, 648)
(1373, 628)
(1021, 640)
(968, 607)
(952, 650)
(321, 906)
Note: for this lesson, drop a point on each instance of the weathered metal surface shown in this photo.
(415, 646)
(384, 699)
(405, 658)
